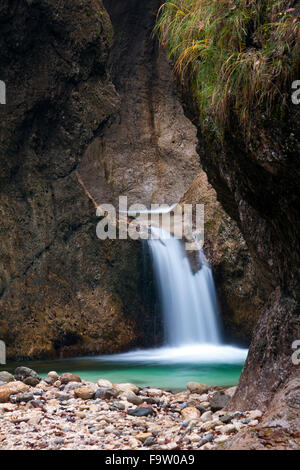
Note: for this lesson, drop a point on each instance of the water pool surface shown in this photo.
(168, 368)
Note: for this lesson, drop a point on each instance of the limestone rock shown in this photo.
(190, 413)
(195, 387)
(85, 393)
(126, 387)
(68, 377)
(6, 377)
(143, 436)
(12, 388)
(218, 401)
(103, 383)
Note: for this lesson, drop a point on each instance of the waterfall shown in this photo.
(188, 300)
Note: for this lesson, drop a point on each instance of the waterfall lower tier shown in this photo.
(188, 300)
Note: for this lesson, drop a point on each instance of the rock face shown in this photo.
(58, 283)
(73, 135)
(256, 180)
(150, 143)
(92, 115)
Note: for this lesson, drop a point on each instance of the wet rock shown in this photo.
(142, 411)
(195, 387)
(190, 413)
(53, 375)
(218, 401)
(85, 393)
(68, 377)
(151, 400)
(6, 377)
(71, 386)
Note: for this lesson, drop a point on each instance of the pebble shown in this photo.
(207, 416)
(143, 436)
(102, 383)
(195, 387)
(254, 414)
(190, 413)
(86, 393)
(67, 377)
(142, 411)
(75, 414)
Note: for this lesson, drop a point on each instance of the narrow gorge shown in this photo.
(100, 104)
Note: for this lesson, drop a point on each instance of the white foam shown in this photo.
(189, 354)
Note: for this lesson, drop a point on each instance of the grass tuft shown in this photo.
(235, 56)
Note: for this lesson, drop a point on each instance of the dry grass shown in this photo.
(235, 56)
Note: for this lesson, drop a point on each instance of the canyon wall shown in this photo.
(92, 113)
(257, 182)
(62, 291)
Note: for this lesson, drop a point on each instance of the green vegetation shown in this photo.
(233, 55)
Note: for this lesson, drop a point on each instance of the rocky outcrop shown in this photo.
(256, 180)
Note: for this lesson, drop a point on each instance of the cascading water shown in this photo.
(193, 349)
(188, 300)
